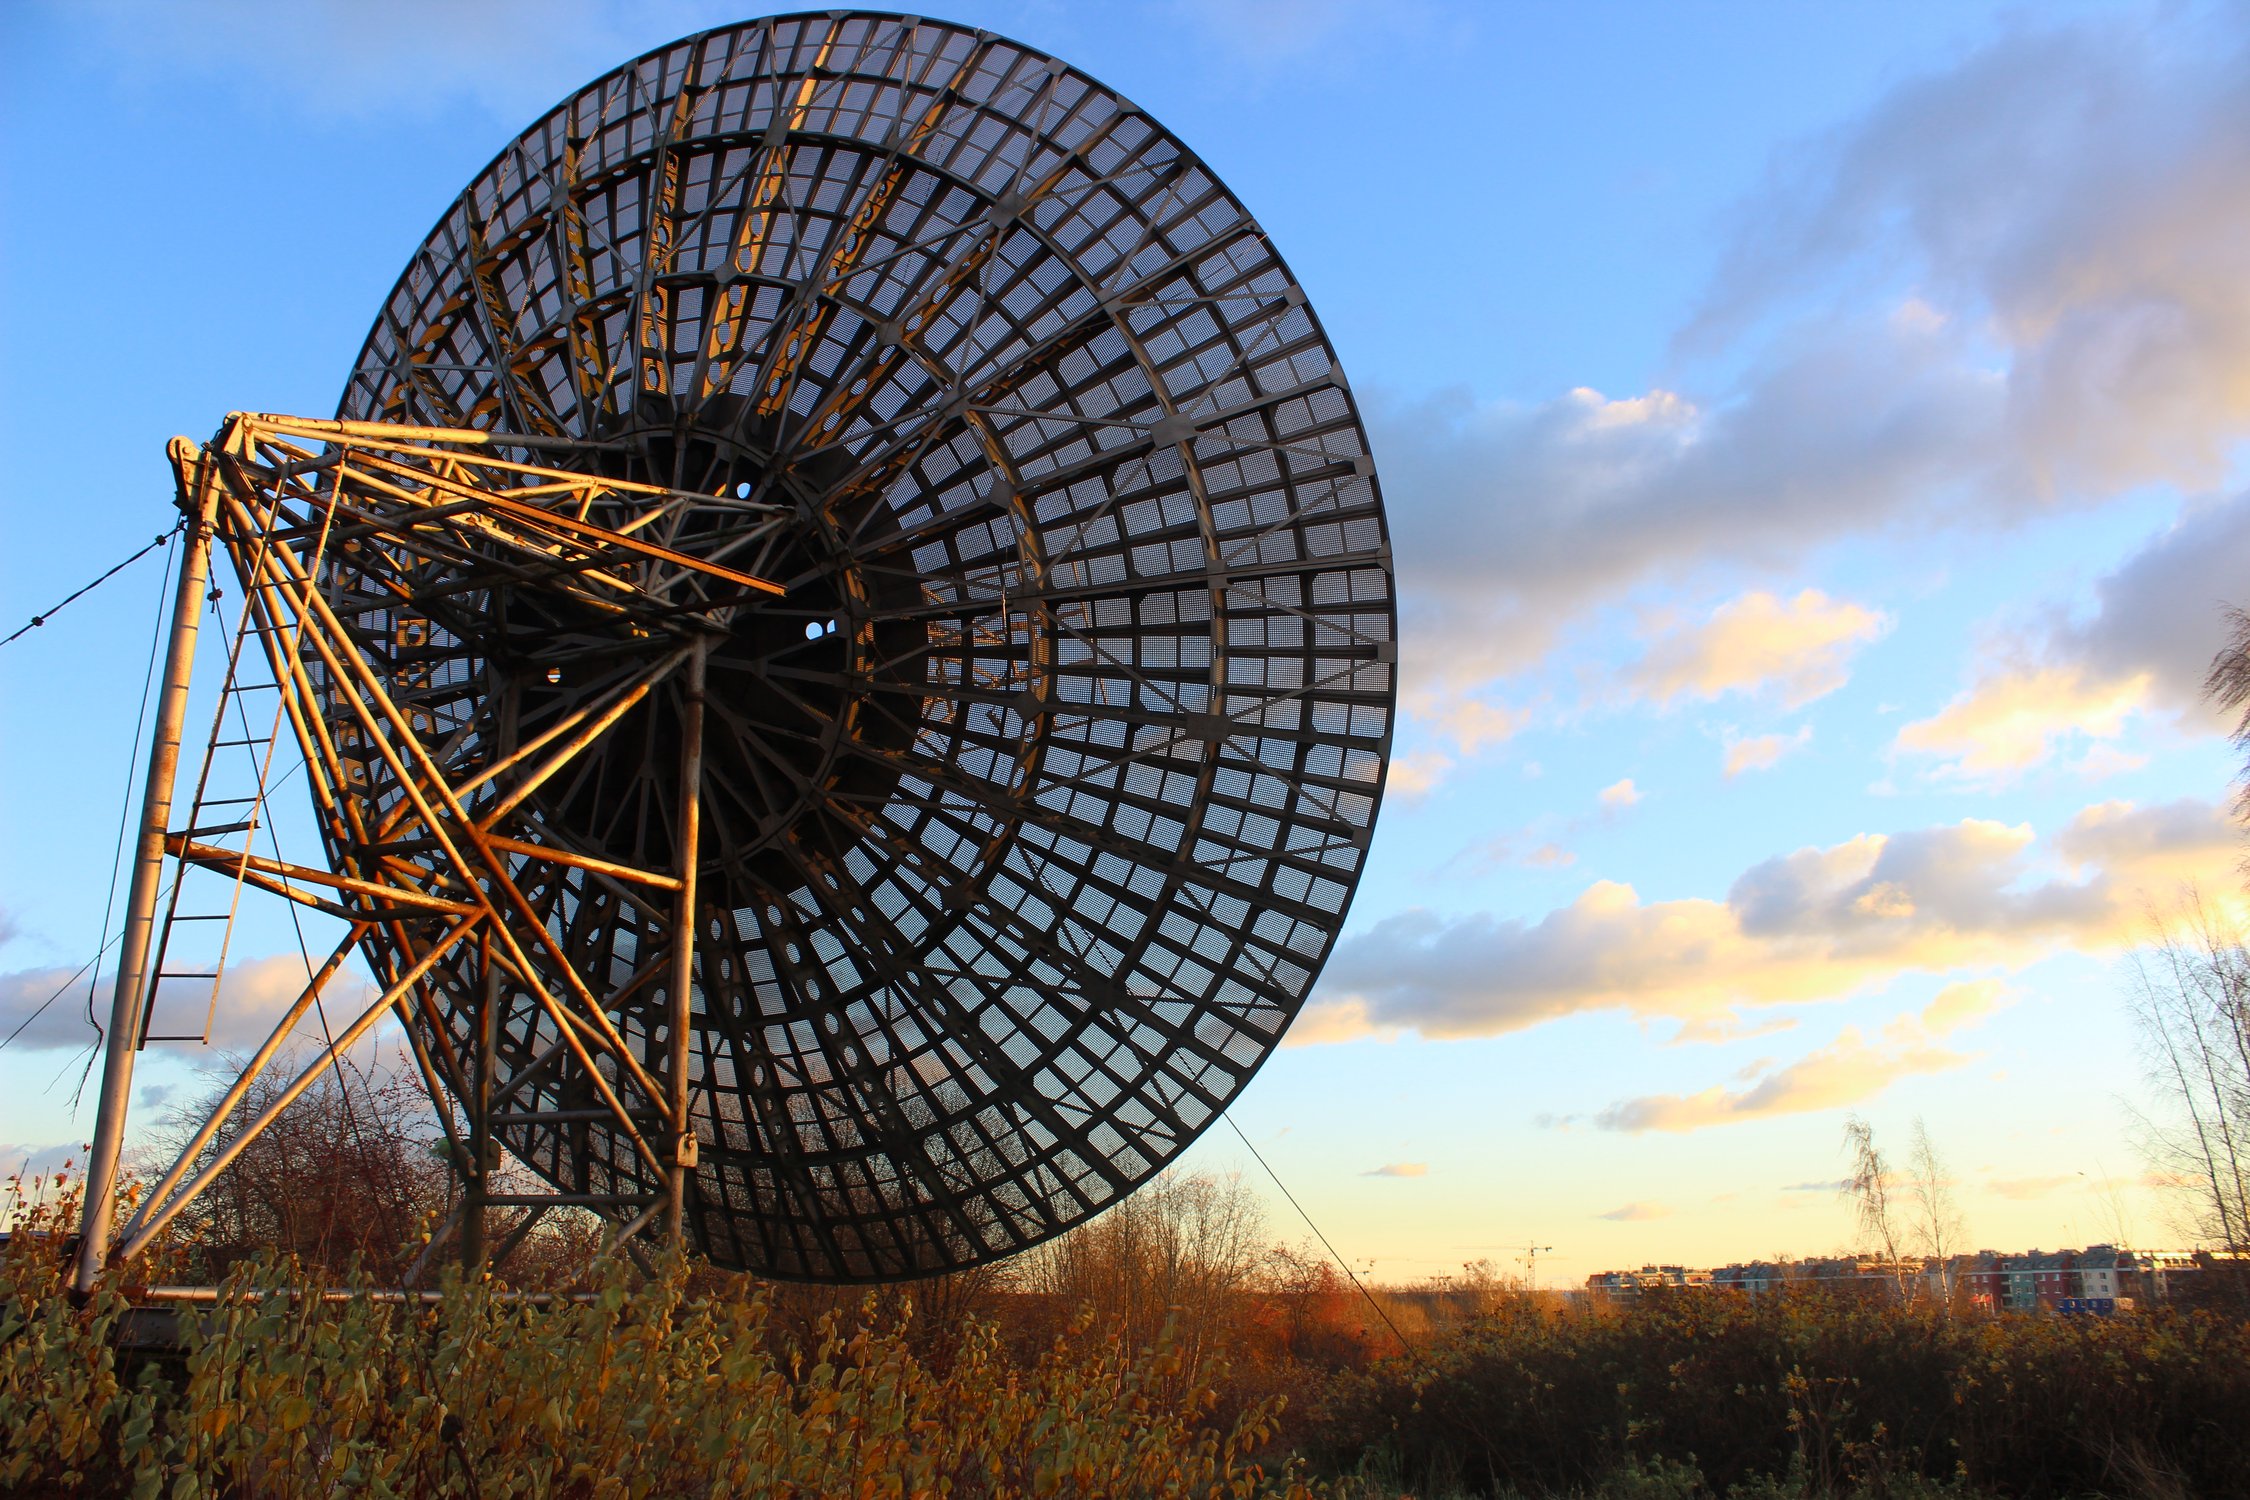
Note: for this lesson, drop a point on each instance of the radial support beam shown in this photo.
(682, 978)
(199, 498)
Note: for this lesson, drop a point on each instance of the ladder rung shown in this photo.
(197, 833)
(231, 744)
(226, 801)
(186, 974)
(202, 916)
(192, 1036)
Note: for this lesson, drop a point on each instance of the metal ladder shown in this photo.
(229, 804)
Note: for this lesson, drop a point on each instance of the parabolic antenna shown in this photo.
(935, 428)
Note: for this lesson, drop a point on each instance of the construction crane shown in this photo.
(1530, 1260)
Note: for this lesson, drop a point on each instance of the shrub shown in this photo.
(1828, 1394)
(639, 1389)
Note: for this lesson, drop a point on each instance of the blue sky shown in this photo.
(1814, 442)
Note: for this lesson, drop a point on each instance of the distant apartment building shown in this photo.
(1626, 1285)
(2128, 1277)
(1754, 1276)
(2097, 1279)
(1872, 1273)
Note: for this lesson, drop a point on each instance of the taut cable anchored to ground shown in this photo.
(1341, 1263)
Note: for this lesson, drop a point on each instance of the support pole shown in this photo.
(683, 948)
(199, 497)
(475, 1187)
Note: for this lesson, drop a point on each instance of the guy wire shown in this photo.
(1315, 1228)
(44, 616)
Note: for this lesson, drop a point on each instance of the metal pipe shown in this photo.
(555, 856)
(474, 1185)
(586, 735)
(159, 1217)
(519, 1234)
(548, 1117)
(199, 497)
(683, 946)
(385, 1294)
(334, 645)
(232, 1099)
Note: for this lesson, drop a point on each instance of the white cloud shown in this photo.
(2100, 762)
(1467, 725)
(2025, 1188)
(1511, 522)
(1525, 847)
(2162, 613)
(1801, 647)
(1473, 724)
(2019, 281)
(2015, 718)
(2077, 193)
(18, 1159)
(2141, 651)
(1816, 924)
(1400, 1169)
(1619, 795)
(2165, 846)
(251, 999)
(1849, 1070)
(1636, 1213)
(1963, 1004)
(1763, 752)
(1417, 773)
(1706, 1030)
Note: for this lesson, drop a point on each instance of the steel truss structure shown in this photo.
(844, 646)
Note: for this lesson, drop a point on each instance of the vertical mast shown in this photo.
(199, 498)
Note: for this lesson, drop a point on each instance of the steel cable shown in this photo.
(49, 613)
(1403, 1345)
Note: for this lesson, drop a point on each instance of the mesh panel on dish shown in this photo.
(1033, 804)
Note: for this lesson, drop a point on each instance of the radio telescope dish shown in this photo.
(1032, 802)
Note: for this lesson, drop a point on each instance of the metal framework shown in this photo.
(844, 644)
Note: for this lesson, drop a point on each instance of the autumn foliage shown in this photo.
(1168, 1347)
(642, 1388)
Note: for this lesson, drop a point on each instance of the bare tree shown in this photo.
(2228, 687)
(354, 1169)
(1937, 1218)
(1869, 1189)
(2190, 996)
(1186, 1245)
(345, 1172)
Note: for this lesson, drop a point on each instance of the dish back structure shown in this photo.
(844, 634)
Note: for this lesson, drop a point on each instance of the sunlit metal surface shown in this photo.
(1033, 800)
